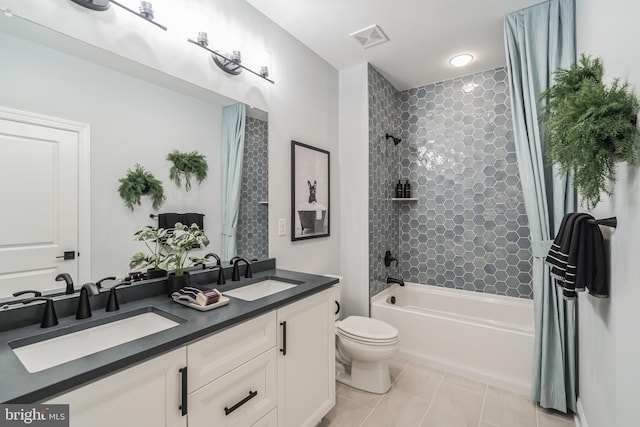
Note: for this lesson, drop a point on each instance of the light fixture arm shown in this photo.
(148, 19)
(228, 60)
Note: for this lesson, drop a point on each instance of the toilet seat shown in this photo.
(367, 341)
(367, 330)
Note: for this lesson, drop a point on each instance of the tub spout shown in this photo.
(395, 280)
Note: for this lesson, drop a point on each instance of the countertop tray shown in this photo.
(221, 302)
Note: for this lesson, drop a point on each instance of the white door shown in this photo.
(38, 205)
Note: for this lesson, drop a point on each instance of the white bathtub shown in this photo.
(482, 336)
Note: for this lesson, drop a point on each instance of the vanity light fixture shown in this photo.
(461, 60)
(146, 9)
(229, 62)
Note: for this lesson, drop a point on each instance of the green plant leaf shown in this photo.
(139, 182)
(589, 126)
(186, 165)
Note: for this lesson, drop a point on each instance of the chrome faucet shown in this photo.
(395, 280)
(235, 276)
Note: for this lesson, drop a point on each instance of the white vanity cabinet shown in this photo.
(276, 369)
(306, 360)
(145, 395)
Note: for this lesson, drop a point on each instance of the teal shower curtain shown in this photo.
(233, 119)
(539, 40)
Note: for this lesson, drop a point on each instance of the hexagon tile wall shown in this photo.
(253, 219)
(469, 229)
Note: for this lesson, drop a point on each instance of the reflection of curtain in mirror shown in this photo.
(233, 119)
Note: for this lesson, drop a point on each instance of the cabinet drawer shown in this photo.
(240, 398)
(214, 356)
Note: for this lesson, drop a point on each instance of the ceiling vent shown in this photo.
(370, 36)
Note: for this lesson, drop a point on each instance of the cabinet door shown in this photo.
(144, 395)
(306, 370)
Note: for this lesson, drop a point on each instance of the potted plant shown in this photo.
(589, 126)
(140, 182)
(179, 243)
(186, 165)
(155, 240)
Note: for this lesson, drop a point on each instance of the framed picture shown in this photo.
(309, 192)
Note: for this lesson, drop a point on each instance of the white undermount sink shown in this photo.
(260, 290)
(55, 351)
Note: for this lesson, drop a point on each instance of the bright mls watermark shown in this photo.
(34, 415)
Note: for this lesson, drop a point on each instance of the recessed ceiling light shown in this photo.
(461, 60)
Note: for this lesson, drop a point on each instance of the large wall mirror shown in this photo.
(131, 121)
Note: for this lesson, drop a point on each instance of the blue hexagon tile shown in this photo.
(253, 219)
(469, 229)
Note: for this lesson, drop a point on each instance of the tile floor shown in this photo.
(425, 397)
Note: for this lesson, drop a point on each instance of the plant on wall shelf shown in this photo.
(186, 165)
(138, 183)
(589, 126)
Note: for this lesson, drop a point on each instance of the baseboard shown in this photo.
(516, 387)
(580, 418)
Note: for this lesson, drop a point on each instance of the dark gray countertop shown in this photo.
(20, 386)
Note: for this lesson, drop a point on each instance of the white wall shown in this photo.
(354, 190)
(609, 330)
(131, 122)
(302, 105)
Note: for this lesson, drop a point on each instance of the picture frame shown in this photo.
(310, 192)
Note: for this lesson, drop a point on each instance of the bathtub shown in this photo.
(486, 337)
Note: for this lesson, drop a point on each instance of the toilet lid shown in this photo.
(368, 329)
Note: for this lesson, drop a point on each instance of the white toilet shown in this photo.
(363, 349)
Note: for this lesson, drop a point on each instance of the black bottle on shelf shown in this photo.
(399, 190)
(407, 190)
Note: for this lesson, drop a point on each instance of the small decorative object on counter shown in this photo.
(200, 298)
(399, 190)
(406, 193)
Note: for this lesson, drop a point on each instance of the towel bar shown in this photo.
(607, 222)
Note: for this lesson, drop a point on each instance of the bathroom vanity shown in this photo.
(263, 362)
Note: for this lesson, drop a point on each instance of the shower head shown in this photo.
(396, 140)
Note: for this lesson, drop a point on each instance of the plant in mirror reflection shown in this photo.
(155, 239)
(181, 242)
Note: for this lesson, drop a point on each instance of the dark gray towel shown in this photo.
(169, 220)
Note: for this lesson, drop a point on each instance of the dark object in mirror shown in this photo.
(99, 282)
(221, 280)
(235, 276)
(68, 280)
(35, 293)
